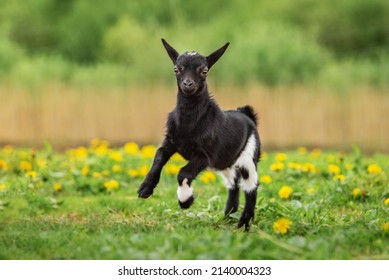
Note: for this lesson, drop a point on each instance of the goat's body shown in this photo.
(208, 137)
(219, 135)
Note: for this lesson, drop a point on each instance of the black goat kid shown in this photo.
(207, 137)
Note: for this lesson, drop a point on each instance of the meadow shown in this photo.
(81, 203)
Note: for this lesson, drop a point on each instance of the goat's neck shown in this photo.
(192, 108)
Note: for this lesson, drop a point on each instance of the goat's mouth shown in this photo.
(188, 91)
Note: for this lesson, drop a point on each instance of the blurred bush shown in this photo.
(272, 42)
(274, 54)
(10, 54)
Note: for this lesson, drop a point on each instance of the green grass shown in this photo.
(59, 206)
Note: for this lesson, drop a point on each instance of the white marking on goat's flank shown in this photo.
(184, 192)
(245, 160)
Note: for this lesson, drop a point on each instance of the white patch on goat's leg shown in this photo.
(250, 183)
(184, 192)
(245, 162)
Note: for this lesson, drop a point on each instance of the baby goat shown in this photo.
(207, 137)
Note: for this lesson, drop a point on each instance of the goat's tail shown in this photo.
(249, 111)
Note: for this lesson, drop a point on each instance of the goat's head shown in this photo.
(191, 68)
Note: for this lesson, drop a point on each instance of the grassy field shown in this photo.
(82, 204)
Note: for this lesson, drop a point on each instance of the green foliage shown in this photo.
(10, 54)
(356, 28)
(277, 54)
(82, 30)
(272, 42)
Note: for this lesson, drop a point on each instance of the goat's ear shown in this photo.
(213, 57)
(173, 54)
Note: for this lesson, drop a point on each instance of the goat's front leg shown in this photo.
(185, 177)
(150, 182)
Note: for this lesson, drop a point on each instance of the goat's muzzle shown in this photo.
(188, 87)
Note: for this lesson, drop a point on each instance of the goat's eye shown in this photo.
(176, 70)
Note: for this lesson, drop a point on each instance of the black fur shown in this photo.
(202, 133)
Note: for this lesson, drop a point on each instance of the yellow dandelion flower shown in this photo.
(374, 169)
(172, 169)
(113, 184)
(101, 150)
(339, 178)
(105, 172)
(308, 167)
(356, 192)
(8, 149)
(315, 153)
(281, 157)
(348, 166)
(386, 201)
(96, 142)
(116, 168)
(177, 157)
(331, 158)
(81, 153)
(3, 187)
(3, 164)
(143, 170)
(385, 227)
(116, 156)
(23, 154)
(133, 173)
(41, 163)
(333, 169)
(208, 176)
(285, 192)
(266, 179)
(302, 150)
(310, 190)
(96, 174)
(277, 166)
(131, 148)
(57, 187)
(85, 170)
(294, 166)
(148, 151)
(282, 225)
(31, 174)
(25, 165)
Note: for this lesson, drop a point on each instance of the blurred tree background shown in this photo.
(338, 45)
(273, 42)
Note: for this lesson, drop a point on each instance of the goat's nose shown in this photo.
(188, 83)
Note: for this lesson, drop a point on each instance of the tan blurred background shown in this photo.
(289, 117)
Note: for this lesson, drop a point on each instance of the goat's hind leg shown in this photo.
(250, 186)
(231, 180)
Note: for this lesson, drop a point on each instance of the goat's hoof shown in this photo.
(228, 211)
(246, 225)
(245, 220)
(144, 192)
(186, 204)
